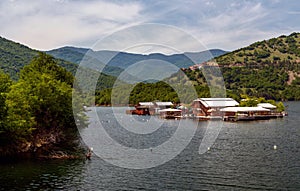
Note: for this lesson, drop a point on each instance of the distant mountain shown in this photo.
(275, 50)
(14, 56)
(123, 60)
(204, 56)
(72, 54)
(75, 55)
(118, 61)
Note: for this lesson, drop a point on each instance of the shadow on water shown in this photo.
(41, 174)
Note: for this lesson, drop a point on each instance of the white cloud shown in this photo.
(222, 24)
(49, 24)
(238, 24)
(110, 11)
(232, 27)
(149, 38)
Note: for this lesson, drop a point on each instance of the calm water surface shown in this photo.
(242, 158)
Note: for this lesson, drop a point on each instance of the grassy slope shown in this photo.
(283, 48)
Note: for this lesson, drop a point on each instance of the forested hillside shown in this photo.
(14, 56)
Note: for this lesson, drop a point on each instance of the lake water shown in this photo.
(242, 158)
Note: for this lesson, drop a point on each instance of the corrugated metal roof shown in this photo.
(243, 109)
(218, 102)
(215, 99)
(170, 109)
(267, 105)
(160, 103)
(146, 103)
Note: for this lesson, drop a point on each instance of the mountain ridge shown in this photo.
(116, 62)
(15, 55)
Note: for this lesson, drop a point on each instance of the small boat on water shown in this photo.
(170, 113)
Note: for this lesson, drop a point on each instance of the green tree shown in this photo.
(40, 105)
(5, 83)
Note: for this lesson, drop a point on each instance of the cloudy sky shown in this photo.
(228, 25)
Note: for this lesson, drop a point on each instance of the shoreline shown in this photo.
(59, 155)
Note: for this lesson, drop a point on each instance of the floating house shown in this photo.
(262, 111)
(143, 108)
(273, 108)
(209, 108)
(170, 113)
(148, 104)
(245, 113)
(149, 108)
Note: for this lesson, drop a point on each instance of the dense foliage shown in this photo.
(141, 92)
(37, 112)
(132, 94)
(5, 83)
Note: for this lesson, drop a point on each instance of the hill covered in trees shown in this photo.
(14, 56)
(269, 69)
(273, 51)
